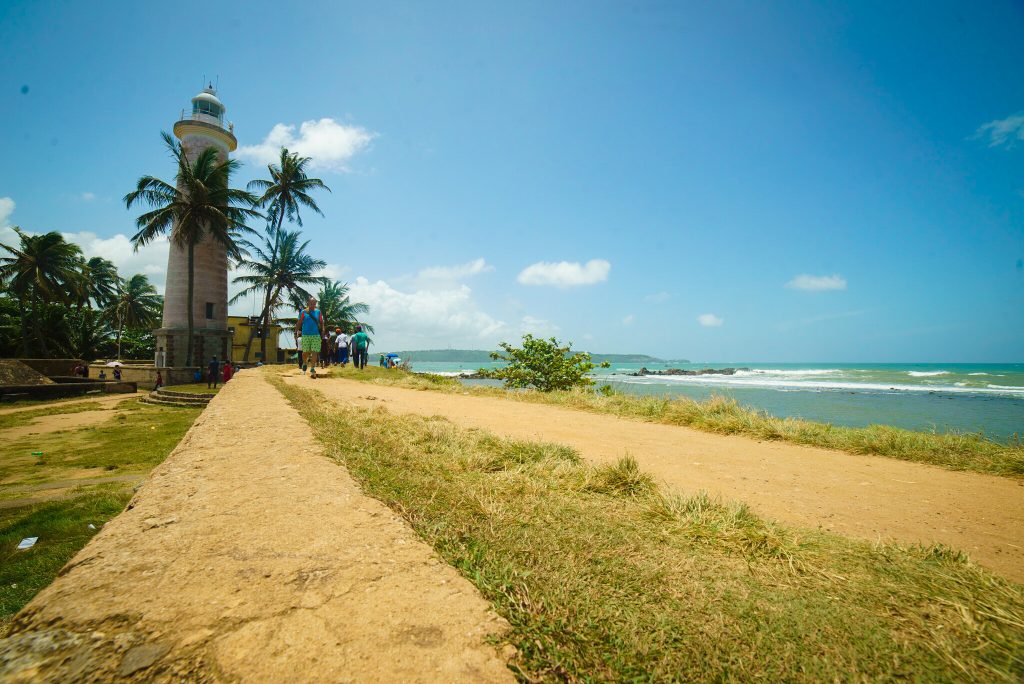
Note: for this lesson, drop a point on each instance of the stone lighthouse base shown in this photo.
(206, 343)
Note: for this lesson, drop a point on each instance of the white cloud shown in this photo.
(87, 196)
(658, 297)
(565, 273)
(538, 327)
(6, 209)
(333, 271)
(710, 320)
(628, 320)
(454, 273)
(815, 283)
(330, 144)
(423, 318)
(151, 259)
(1003, 131)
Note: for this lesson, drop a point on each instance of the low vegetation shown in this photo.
(542, 365)
(722, 415)
(57, 485)
(605, 577)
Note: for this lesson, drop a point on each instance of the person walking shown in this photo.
(159, 381)
(310, 325)
(213, 373)
(359, 344)
(341, 347)
(228, 370)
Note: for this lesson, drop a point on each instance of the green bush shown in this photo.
(543, 365)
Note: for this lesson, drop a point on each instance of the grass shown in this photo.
(194, 388)
(605, 577)
(8, 420)
(130, 443)
(721, 415)
(62, 527)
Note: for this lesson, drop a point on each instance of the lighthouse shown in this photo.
(203, 127)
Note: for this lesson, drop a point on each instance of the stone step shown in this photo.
(187, 395)
(173, 401)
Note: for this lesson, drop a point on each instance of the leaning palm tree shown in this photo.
(201, 206)
(277, 267)
(338, 310)
(98, 283)
(42, 268)
(137, 305)
(284, 195)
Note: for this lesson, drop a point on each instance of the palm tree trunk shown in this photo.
(37, 327)
(120, 328)
(266, 309)
(22, 306)
(191, 294)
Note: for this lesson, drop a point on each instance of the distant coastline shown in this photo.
(484, 356)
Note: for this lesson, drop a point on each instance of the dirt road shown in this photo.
(249, 556)
(860, 496)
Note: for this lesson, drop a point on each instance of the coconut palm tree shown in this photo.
(284, 195)
(338, 310)
(279, 266)
(98, 283)
(85, 334)
(201, 205)
(137, 305)
(42, 268)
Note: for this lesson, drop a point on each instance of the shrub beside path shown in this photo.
(868, 497)
(249, 556)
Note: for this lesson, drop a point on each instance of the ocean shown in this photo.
(986, 398)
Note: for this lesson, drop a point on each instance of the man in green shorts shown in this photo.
(310, 325)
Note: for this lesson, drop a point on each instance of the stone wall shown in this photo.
(50, 367)
(145, 375)
(62, 390)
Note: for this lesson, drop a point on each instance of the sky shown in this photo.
(791, 181)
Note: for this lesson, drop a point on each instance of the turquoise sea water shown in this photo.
(987, 398)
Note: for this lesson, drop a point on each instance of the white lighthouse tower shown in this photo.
(203, 127)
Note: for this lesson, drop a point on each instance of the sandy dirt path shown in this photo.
(249, 556)
(860, 496)
(102, 399)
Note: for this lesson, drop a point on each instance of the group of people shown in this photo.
(320, 346)
(215, 372)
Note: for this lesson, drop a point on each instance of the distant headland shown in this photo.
(483, 356)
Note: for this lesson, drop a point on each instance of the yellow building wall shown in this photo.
(241, 327)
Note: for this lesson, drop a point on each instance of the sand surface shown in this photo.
(97, 399)
(860, 496)
(249, 556)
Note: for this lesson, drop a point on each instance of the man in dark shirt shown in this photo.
(214, 374)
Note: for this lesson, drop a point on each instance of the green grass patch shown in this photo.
(133, 442)
(9, 420)
(721, 415)
(605, 577)
(62, 527)
(194, 388)
(137, 439)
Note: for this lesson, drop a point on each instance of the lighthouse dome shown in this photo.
(207, 104)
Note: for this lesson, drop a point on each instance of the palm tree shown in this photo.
(98, 282)
(338, 310)
(42, 268)
(203, 205)
(279, 267)
(137, 305)
(86, 334)
(284, 195)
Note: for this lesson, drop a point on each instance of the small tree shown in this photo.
(542, 364)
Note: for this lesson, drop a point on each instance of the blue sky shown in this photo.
(723, 181)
